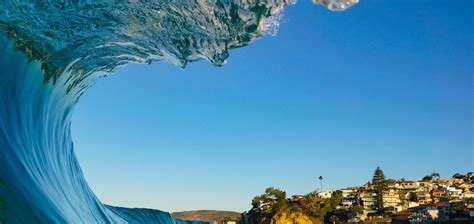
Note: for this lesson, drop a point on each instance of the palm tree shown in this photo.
(321, 182)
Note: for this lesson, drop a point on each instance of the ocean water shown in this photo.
(51, 51)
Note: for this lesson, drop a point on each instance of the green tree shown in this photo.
(357, 209)
(459, 176)
(275, 200)
(379, 176)
(272, 195)
(380, 184)
(301, 209)
(435, 176)
(427, 178)
(275, 193)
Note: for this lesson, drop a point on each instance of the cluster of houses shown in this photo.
(424, 201)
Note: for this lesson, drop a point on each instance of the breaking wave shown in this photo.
(51, 51)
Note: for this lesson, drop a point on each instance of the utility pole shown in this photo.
(321, 182)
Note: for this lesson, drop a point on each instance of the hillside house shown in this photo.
(368, 200)
(391, 198)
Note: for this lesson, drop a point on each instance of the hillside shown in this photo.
(205, 215)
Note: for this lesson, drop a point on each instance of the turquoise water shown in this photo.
(51, 51)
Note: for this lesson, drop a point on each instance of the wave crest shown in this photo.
(99, 36)
(52, 51)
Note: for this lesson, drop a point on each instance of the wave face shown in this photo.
(51, 51)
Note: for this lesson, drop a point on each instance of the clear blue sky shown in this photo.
(387, 83)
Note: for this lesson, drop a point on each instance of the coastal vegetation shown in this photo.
(274, 207)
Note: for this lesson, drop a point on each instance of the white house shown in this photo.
(325, 194)
(454, 192)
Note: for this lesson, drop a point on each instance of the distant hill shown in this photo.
(204, 215)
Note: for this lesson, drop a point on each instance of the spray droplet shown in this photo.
(337, 5)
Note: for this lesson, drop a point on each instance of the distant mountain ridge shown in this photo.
(205, 215)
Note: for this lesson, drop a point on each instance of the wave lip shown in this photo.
(99, 36)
